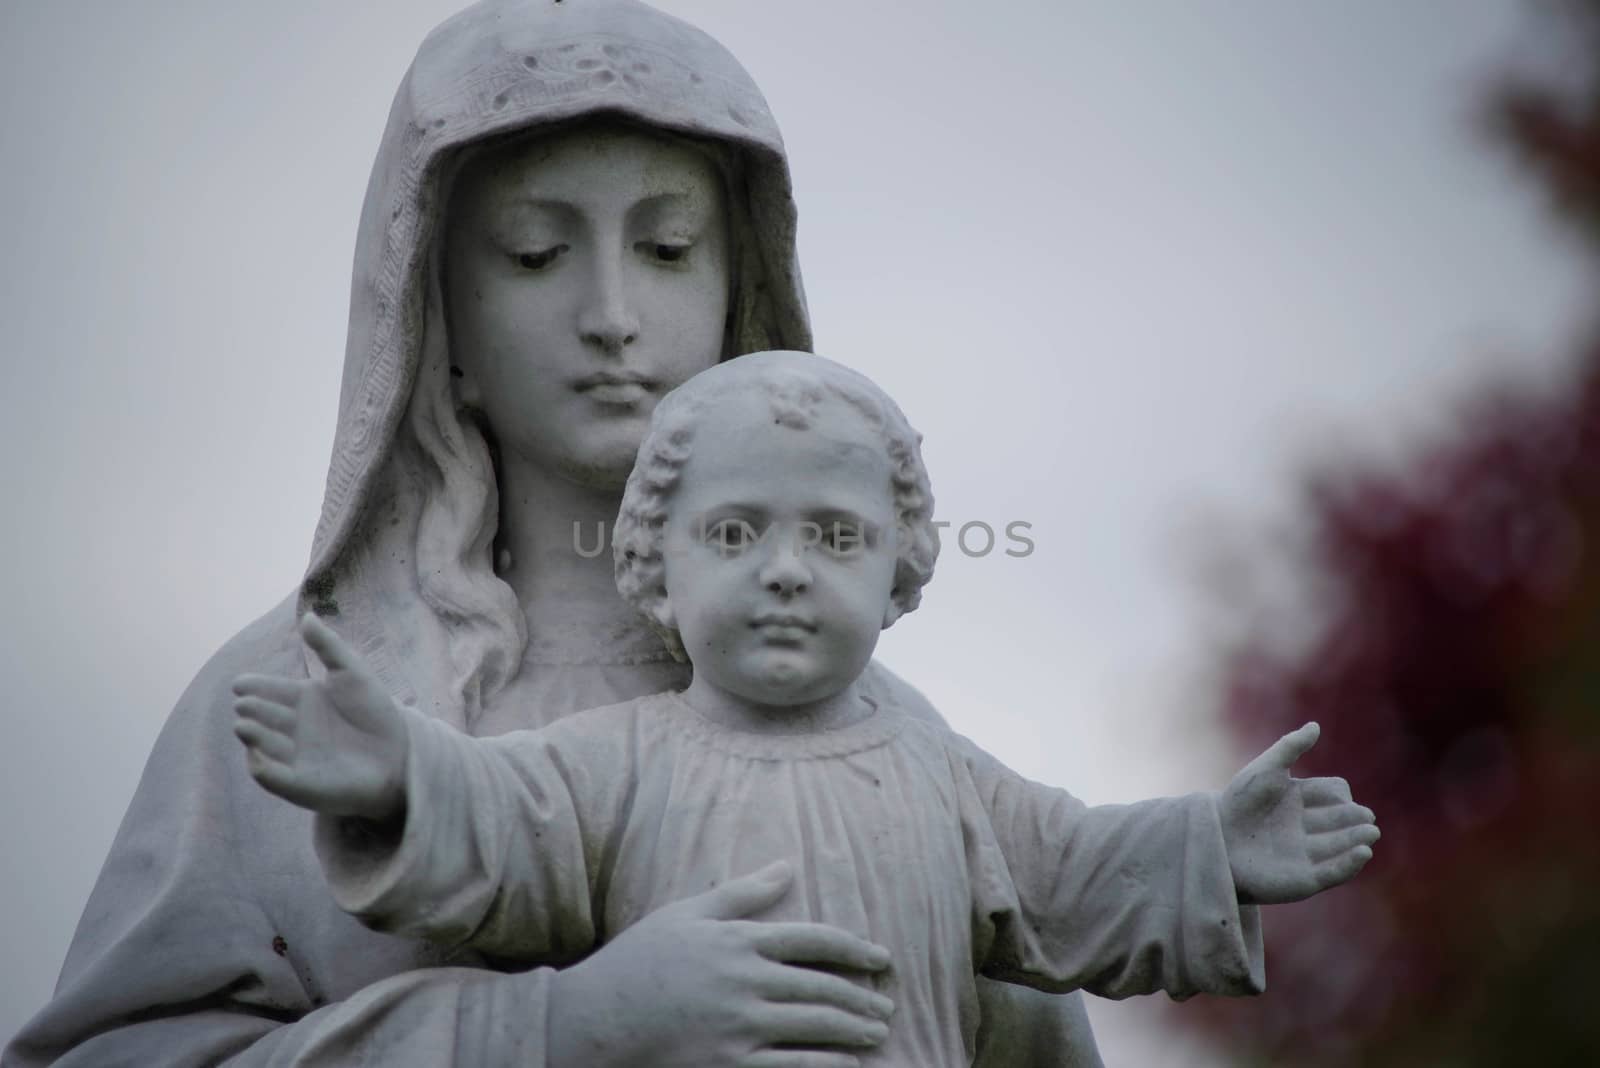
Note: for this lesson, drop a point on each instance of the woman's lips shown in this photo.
(616, 392)
(611, 387)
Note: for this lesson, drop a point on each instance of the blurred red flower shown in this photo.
(1456, 674)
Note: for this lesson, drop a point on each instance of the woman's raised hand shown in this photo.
(336, 745)
(699, 984)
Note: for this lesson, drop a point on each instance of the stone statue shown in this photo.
(778, 518)
(575, 206)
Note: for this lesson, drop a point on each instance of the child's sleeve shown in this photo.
(1116, 899)
(499, 844)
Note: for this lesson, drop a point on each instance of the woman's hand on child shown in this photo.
(698, 984)
(1289, 838)
(336, 745)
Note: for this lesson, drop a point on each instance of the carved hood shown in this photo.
(499, 67)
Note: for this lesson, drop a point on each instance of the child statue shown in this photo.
(777, 519)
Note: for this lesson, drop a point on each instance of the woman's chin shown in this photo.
(598, 469)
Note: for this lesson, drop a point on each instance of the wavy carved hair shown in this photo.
(795, 395)
(444, 456)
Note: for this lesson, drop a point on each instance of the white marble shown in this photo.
(559, 186)
(778, 518)
(1104, 571)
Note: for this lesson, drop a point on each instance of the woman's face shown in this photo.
(585, 275)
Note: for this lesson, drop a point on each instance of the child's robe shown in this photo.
(541, 845)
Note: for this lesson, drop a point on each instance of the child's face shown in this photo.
(780, 551)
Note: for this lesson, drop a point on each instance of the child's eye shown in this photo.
(538, 261)
(843, 539)
(731, 535)
(663, 251)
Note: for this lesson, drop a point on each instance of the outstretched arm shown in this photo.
(207, 942)
(1289, 838)
(1113, 899)
(1126, 899)
(335, 745)
(423, 831)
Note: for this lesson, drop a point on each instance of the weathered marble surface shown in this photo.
(208, 937)
(777, 520)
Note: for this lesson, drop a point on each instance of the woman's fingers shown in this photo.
(1327, 846)
(817, 1025)
(264, 740)
(816, 943)
(799, 1058)
(784, 983)
(269, 714)
(269, 687)
(744, 896)
(1336, 817)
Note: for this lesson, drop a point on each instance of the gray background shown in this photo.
(1128, 265)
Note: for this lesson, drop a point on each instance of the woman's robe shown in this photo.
(209, 935)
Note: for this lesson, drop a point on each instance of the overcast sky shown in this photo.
(1127, 265)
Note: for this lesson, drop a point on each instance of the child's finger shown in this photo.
(272, 687)
(1291, 747)
(1322, 847)
(263, 740)
(1332, 791)
(267, 713)
(1343, 868)
(326, 643)
(1336, 817)
(275, 776)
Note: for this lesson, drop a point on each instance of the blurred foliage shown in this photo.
(1457, 678)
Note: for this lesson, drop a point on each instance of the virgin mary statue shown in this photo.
(576, 205)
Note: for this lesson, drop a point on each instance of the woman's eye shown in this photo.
(663, 252)
(538, 261)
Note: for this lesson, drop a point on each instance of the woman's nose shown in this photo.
(607, 320)
(785, 572)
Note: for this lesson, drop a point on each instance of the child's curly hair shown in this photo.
(796, 384)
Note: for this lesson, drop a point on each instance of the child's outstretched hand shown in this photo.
(335, 745)
(1290, 838)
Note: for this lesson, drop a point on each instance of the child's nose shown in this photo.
(785, 572)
